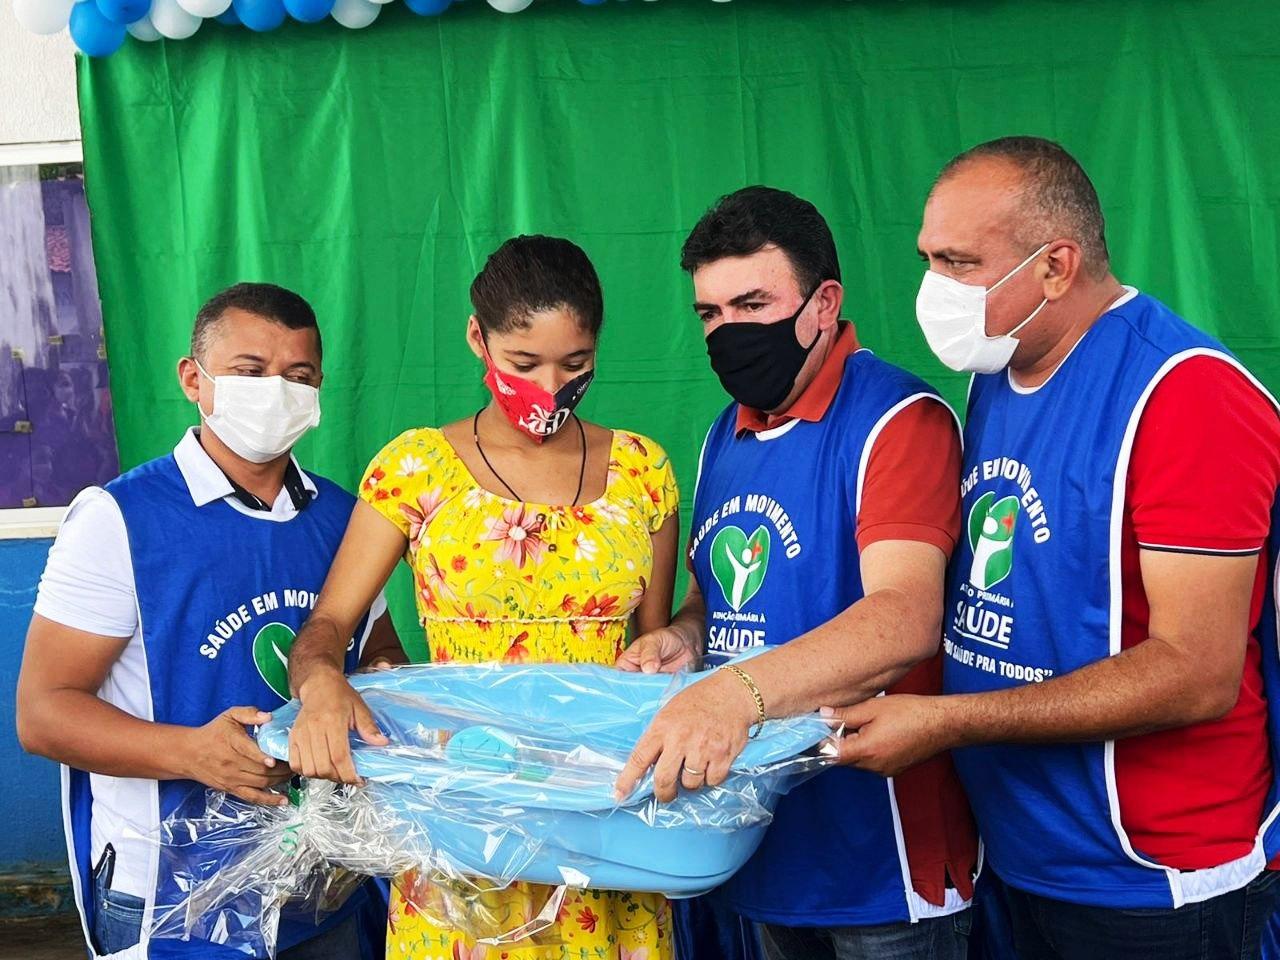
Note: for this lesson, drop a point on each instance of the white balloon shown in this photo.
(43, 16)
(144, 29)
(205, 8)
(356, 13)
(171, 21)
(510, 6)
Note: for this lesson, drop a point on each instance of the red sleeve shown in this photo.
(1206, 462)
(912, 487)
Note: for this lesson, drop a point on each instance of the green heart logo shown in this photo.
(991, 526)
(739, 563)
(271, 655)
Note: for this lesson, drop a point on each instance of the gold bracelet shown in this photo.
(761, 715)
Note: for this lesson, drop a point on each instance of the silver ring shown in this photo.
(694, 773)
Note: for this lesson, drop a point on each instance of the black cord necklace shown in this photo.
(582, 470)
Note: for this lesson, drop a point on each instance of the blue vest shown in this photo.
(774, 553)
(220, 597)
(1034, 593)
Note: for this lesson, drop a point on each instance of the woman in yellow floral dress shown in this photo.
(533, 537)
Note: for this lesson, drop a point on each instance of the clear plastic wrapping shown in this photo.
(495, 774)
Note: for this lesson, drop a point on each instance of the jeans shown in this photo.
(1226, 927)
(991, 937)
(706, 928)
(117, 926)
(117, 921)
(936, 938)
(340, 943)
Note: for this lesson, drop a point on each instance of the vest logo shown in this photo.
(271, 656)
(740, 563)
(991, 525)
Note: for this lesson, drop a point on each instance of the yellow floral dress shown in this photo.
(500, 580)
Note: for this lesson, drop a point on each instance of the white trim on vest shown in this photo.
(154, 789)
(139, 950)
(1116, 304)
(1189, 886)
(782, 429)
(884, 422)
(1271, 816)
(773, 433)
(922, 909)
(702, 454)
(918, 908)
(69, 836)
(900, 843)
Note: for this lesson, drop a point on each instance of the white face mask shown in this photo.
(260, 418)
(953, 316)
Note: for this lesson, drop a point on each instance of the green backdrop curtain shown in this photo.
(374, 170)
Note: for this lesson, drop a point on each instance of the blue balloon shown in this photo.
(309, 11)
(591, 3)
(229, 18)
(259, 15)
(428, 8)
(93, 33)
(124, 11)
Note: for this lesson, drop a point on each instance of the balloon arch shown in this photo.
(99, 27)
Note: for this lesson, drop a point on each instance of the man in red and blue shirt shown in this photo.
(1109, 633)
(826, 507)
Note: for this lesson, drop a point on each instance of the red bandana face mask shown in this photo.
(530, 408)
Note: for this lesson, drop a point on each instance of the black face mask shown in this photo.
(758, 363)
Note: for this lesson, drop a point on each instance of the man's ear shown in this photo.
(189, 379)
(830, 298)
(1062, 267)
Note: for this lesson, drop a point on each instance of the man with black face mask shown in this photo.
(826, 508)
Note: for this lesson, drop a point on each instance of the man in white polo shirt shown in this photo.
(165, 617)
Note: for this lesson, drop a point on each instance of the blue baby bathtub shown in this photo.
(507, 771)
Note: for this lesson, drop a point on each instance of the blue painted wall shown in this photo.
(30, 804)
